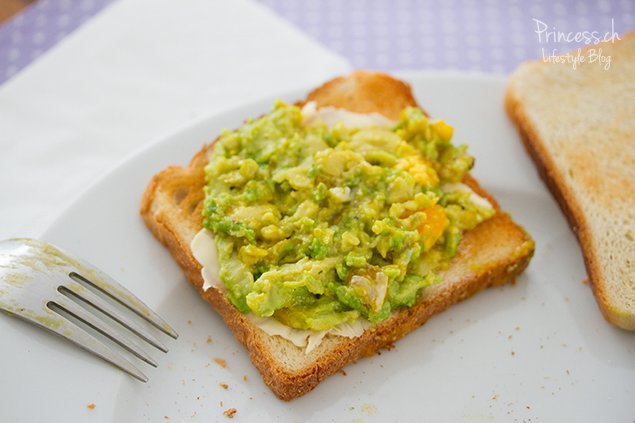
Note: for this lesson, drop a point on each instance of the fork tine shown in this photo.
(59, 325)
(86, 295)
(112, 288)
(91, 275)
(100, 326)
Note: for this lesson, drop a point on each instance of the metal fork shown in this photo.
(42, 284)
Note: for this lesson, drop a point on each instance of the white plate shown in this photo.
(537, 350)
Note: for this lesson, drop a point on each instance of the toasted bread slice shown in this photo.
(578, 125)
(494, 252)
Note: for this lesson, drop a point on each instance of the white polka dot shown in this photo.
(604, 6)
(519, 53)
(449, 29)
(497, 53)
(335, 32)
(40, 20)
(471, 26)
(16, 37)
(427, 45)
(494, 28)
(11, 69)
(560, 24)
(536, 11)
(492, 13)
(381, 30)
(382, 59)
(359, 60)
(292, 16)
(18, 20)
(515, 11)
(404, 43)
(335, 17)
(581, 7)
(314, 31)
(499, 68)
(403, 30)
(428, 58)
(87, 4)
(312, 17)
(359, 46)
(402, 16)
(426, 28)
(583, 23)
(377, 15)
(14, 53)
(517, 39)
(450, 56)
(450, 42)
(382, 45)
(358, 30)
(337, 45)
(469, 14)
(444, 15)
(472, 41)
(517, 24)
(559, 9)
(38, 37)
(406, 59)
(63, 20)
(494, 39)
(473, 55)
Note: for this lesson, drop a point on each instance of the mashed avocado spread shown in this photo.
(319, 224)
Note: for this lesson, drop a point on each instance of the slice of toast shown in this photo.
(578, 125)
(494, 252)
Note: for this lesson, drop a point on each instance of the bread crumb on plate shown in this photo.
(230, 413)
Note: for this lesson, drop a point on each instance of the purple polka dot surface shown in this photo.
(489, 36)
(38, 28)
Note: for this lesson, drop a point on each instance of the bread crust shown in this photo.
(289, 384)
(570, 208)
(389, 95)
(564, 195)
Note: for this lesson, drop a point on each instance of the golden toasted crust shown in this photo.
(365, 92)
(562, 159)
(494, 252)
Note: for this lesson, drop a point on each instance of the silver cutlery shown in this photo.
(46, 286)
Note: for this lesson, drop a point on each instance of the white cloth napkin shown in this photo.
(136, 71)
